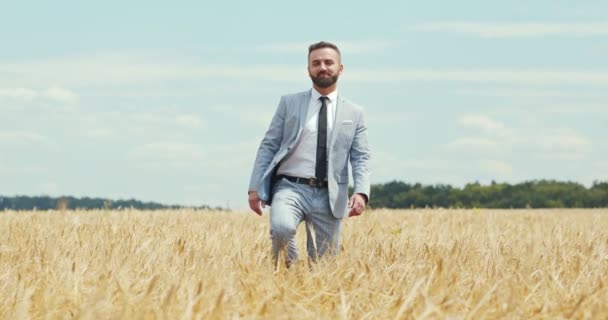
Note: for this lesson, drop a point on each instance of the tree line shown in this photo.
(68, 202)
(529, 194)
(394, 194)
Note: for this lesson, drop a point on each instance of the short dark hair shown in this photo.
(323, 44)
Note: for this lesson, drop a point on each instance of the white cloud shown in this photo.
(547, 142)
(214, 160)
(481, 122)
(483, 75)
(53, 94)
(18, 93)
(258, 115)
(20, 171)
(577, 101)
(149, 124)
(380, 118)
(497, 168)
(386, 166)
(124, 69)
(475, 143)
(82, 70)
(234, 157)
(188, 120)
(162, 118)
(511, 92)
(136, 125)
(563, 141)
(99, 133)
(513, 30)
(23, 137)
(350, 47)
(176, 154)
(61, 95)
(288, 47)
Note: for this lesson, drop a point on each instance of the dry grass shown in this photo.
(455, 264)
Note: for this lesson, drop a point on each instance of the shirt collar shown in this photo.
(315, 95)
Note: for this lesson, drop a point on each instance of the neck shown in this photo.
(326, 91)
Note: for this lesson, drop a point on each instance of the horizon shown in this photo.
(152, 201)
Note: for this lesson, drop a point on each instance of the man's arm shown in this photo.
(360, 155)
(268, 148)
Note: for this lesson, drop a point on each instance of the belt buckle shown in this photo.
(313, 182)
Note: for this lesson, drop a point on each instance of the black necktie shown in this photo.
(321, 167)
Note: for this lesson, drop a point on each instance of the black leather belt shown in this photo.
(309, 182)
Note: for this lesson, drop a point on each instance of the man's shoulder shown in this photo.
(290, 97)
(347, 102)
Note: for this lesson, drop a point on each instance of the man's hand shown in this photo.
(254, 202)
(356, 205)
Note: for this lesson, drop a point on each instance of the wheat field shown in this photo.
(408, 264)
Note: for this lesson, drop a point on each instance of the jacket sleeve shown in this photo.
(360, 156)
(268, 147)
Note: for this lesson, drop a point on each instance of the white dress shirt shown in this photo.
(302, 161)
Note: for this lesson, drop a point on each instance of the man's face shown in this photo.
(324, 67)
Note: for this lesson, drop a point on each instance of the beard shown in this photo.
(324, 82)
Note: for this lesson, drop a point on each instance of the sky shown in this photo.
(168, 101)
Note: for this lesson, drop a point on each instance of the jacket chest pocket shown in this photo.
(344, 139)
(346, 130)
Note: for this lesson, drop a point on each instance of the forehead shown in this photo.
(324, 54)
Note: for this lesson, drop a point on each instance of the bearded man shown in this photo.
(301, 167)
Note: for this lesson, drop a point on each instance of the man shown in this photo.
(301, 165)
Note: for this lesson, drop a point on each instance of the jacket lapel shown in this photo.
(303, 111)
(337, 121)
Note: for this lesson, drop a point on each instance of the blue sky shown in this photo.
(169, 101)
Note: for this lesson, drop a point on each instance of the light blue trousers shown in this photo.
(293, 203)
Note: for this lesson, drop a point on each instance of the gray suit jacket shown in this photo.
(348, 141)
